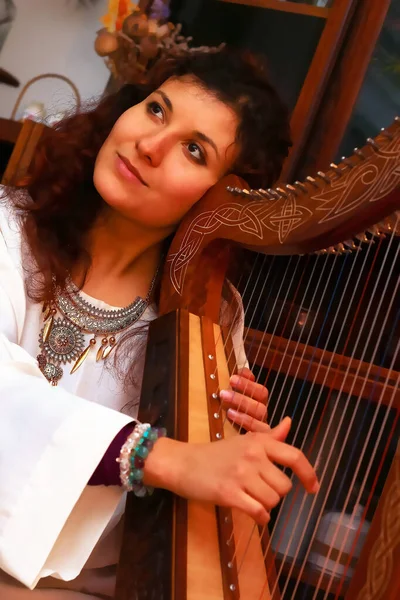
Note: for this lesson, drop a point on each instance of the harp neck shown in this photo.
(307, 217)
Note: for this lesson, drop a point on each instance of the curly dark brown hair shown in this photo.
(63, 203)
(58, 201)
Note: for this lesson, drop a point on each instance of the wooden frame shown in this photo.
(290, 7)
(317, 79)
(338, 20)
(344, 85)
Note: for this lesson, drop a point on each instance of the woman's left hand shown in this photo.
(246, 402)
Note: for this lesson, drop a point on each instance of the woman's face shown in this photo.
(163, 154)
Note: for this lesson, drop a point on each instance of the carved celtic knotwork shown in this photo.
(320, 208)
(377, 178)
(253, 219)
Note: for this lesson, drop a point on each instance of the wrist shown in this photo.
(165, 464)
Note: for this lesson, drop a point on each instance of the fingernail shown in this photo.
(226, 395)
(232, 413)
(235, 379)
(315, 488)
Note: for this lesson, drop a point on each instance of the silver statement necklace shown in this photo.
(61, 339)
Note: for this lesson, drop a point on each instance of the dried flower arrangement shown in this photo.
(132, 40)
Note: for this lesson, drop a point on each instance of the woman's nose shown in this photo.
(152, 148)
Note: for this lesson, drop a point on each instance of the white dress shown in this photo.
(51, 440)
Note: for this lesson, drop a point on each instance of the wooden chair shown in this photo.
(17, 146)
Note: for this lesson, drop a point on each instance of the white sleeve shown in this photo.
(51, 441)
(237, 329)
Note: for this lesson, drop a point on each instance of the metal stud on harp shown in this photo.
(329, 356)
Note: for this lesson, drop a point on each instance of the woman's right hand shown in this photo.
(238, 472)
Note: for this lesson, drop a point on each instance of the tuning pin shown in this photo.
(236, 191)
(340, 249)
(364, 239)
(282, 192)
(274, 193)
(390, 224)
(386, 226)
(265, 194)
(239, 191)
(350, 245)
(324, 176)
(332, 250)
(301, 186)
(255, 195)
(359, 153)
(337, 169)
(322, 251)
(312, 181)
(374, 230)
(231, 190)
(291, 189)
(373, 144)
(386, 133)
(347, 162)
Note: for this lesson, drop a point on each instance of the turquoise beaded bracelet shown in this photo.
(133, 455)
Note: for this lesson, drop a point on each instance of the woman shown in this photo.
(87, 233)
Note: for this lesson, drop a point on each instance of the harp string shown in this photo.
(311, 331)
(277, 319)
(373, 420)
(348, 426)
(364, 255)
(261, 297)
(363, 451)
(364, 448)
(359, 463)
(309, 284)
(355, 289)
(363, 487)
(305, 292)
(384, 454)
(272, 312)
(311, 418)
(323, 282)
(239, 407)
(330, 453)
(292, 305)
(238, 309)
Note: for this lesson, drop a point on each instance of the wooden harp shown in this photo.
(178, 550)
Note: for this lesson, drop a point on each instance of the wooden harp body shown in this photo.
(178, 550)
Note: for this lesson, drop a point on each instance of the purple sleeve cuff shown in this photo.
(107, 471)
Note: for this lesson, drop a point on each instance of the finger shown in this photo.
(276, 479)
(245, 372)
(254, 509)
(292, 457)
(263, 493)
(281, 431)
(244, 404)
(249, 388)
(247, 422)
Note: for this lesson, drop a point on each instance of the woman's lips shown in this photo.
(127, 170)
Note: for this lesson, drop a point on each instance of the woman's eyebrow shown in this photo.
(197, 134)
(167, 101)
(205, 138)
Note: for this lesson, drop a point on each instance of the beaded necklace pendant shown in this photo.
(61, 342)
(61, 339)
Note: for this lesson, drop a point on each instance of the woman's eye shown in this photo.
(197, 152)
(154, 108)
